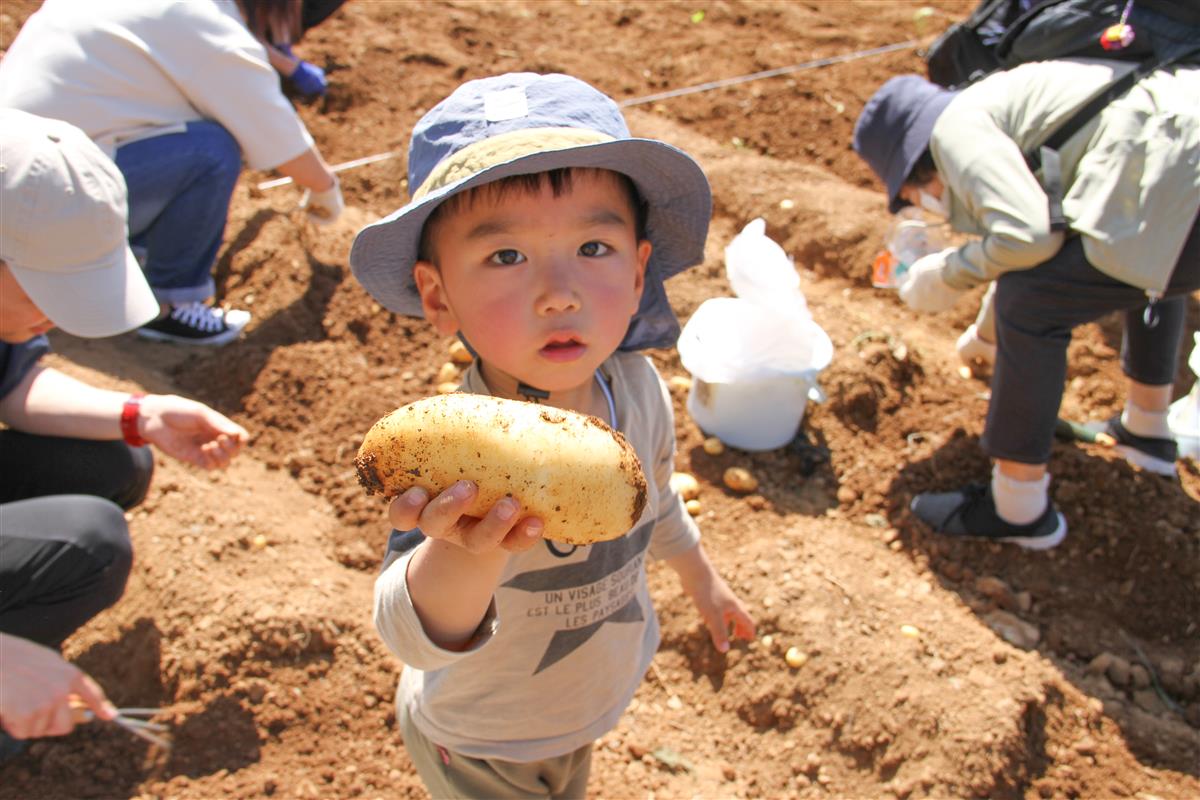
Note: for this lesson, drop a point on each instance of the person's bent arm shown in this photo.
(309, 170)
(987, 176)
(39, 689)
(51, 403)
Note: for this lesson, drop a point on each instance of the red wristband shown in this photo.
(129, 421)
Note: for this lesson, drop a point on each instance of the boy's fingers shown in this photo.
(524, 535)
(405, 510)
(718, 631)
(443, 512)
(742, 624)
(493, 529)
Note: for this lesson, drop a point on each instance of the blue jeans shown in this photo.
(180, 185)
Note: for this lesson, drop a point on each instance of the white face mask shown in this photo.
(932, 204)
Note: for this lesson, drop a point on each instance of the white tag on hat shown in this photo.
(505, 104)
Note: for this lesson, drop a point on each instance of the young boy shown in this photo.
(540, 232)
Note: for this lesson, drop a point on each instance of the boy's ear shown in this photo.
(643, 258)
(434, 302)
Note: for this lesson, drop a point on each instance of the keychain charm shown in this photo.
(1119, 36)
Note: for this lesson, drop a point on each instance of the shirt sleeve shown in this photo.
(17, 359)
(990, 183)
(401, 630)
(674, 530)
(224, 73)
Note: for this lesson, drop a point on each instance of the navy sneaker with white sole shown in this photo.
(1148, 452)
(196, 323)
(970, 513)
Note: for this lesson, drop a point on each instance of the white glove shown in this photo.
(923, 288)
(324, 207)
(974, 350)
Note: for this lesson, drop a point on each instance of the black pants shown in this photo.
(1036, 310)
(65, 552)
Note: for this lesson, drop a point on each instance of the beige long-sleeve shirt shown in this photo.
(1131, 176)
(572, 630)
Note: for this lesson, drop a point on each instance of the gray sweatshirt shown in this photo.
(571, 630)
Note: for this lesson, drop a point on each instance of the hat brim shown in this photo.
(678, 202)
(914, 141)
(103, 299)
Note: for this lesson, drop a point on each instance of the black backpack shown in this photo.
(1003, 33)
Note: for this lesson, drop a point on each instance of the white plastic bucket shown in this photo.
(755, 415)
(753, 372)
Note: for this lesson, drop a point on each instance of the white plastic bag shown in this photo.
(760, 271)
(754, 358)
(1184, 416)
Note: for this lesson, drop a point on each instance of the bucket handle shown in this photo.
(815, 393)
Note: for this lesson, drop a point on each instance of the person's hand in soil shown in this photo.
(453, 575)
(724, 614)
(190, 431)
(40, 690)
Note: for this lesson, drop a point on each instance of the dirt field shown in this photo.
(248, 613)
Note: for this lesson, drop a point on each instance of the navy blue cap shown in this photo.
(895, 127)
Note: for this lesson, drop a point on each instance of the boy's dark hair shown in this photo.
(560, 182)
(923, 171)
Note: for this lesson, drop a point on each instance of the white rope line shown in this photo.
(700, 87)
(771, 73)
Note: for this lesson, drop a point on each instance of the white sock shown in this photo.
(1140, 422)
(1019, 502)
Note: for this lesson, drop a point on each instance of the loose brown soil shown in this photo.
(248, 613)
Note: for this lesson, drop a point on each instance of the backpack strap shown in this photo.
(1046, 157)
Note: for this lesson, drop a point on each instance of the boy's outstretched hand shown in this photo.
(719, 607)
(443, 518)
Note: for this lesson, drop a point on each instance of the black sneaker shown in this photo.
(196, 323)
(971, 513)
(1150, 453)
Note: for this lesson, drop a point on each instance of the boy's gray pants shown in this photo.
(450, 775)
(1036, 310)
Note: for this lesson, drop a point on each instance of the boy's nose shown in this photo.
(558, 293)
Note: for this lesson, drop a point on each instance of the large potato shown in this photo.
(571, 470)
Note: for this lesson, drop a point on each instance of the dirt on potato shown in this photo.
(923, 667)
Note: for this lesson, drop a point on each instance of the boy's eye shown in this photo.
(594, 249)
(506, 258)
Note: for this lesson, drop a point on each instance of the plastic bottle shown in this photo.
(910, 238)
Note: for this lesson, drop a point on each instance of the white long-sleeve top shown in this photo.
(124, 70)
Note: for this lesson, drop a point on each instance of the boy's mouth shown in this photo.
(565, 347)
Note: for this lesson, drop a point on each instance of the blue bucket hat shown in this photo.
(895, 127)
(524, 123)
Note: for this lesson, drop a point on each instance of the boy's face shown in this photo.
(543, 287)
